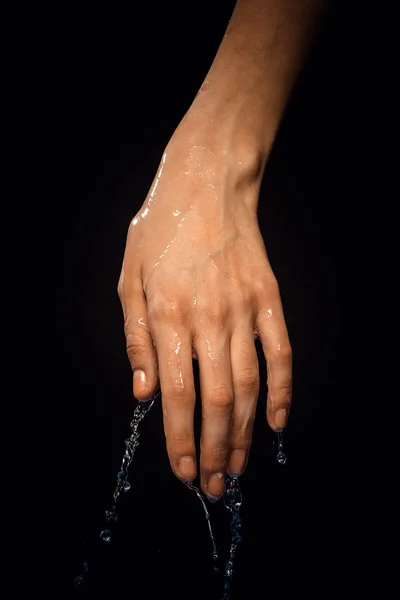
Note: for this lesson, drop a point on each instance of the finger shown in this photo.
(246, 387)
(174, 351)
(139, 344)
(214, 357)
(271, 327)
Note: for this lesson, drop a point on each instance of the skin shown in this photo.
(196, 281)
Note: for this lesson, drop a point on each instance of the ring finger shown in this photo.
(246, 387)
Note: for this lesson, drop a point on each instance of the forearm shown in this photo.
(247, 88)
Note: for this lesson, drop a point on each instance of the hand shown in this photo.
(196, 283)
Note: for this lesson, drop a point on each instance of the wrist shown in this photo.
(221, 133)
(226, 169)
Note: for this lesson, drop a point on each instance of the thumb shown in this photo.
(139, 343)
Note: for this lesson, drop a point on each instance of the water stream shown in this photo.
(232, 500)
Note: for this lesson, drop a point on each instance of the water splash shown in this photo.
(215, 556)
(79, 578)
(281, 456)
(123, 485)
(232, 502)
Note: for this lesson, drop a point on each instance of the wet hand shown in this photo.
(196, 283)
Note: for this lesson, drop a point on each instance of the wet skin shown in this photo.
(196, 281)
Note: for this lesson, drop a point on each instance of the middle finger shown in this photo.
(213, 351)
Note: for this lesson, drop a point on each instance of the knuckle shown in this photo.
(135, 345)
(283, 391)
(221, 396)
(283, 355)
(241, 443)
(211, 313)
(179, 444)
(214, 458)
(281, 396)
(286, 351)
(241, 434)
(166, 312)
(218, 453)
(247, 380)
(268, 285)
(179, 438)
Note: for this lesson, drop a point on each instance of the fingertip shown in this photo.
(237, 462)
(144, 400)
(272, 424)
(214, 487)
(278, 411)
(141, 386)
(280, 419)
(186, 469)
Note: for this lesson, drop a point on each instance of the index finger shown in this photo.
(174, 352)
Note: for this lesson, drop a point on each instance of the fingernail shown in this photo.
(213, 499)
(216, 486)
(237, 462)
(280, 418)
(187, 468)
(139, 382)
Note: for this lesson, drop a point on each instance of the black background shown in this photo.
(118, 82)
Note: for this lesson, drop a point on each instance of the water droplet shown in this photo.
(127, 485)
(229, 569)
(121, 475)
(215, 559)
(106, 535)
(281, 458)
(126, 462)
(111, 515)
